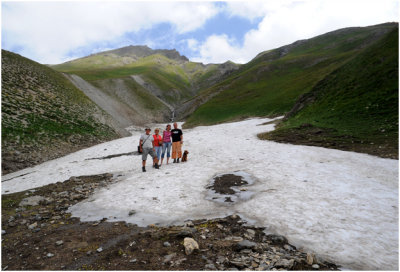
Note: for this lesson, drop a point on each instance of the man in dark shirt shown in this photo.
(177, 140)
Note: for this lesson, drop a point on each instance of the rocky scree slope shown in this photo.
(44, 116)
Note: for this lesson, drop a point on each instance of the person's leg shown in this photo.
(155, 159)
(144, 158)
(168, 151)
(159, 148)
(179, 150)
(174, 151)
(164, 146)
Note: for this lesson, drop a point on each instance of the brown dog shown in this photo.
(184, 157)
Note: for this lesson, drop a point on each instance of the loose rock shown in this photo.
(31, 201)
(32, 226)
(190, 245)
(167, 244)
(245, 244)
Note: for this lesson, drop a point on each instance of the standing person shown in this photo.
(177, 140)
(146, 144)
(158, 141)
(166, 144)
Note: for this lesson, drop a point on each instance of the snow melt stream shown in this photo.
(341, 205)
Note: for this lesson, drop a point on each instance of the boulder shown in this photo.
(190, 245)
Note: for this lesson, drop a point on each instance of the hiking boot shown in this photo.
(144, 169)
(174, 161)
(177, 161)
(156, 166)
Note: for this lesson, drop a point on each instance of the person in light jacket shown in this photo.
(146, 144)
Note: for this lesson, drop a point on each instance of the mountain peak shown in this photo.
(142, 51)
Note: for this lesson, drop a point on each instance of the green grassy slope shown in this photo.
(270, 84)
(355, 104)
(42, 110)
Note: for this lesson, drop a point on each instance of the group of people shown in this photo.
(156, 145)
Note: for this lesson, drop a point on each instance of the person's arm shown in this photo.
(181, 138)
(141, 145)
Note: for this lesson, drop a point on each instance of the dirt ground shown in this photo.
(44, 236)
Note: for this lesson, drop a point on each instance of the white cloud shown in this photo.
(193, 44)
(284, 22)
(47, 31)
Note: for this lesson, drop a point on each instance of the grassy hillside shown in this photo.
(354, 108)
(270, 84)
(44, 115)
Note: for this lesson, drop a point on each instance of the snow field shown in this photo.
(341, 205)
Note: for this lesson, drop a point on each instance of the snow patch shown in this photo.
(341, 205)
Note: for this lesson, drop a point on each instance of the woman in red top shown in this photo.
(158, 142)
(166, 144)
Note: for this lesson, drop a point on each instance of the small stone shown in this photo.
(310, 258)
(100, 249)
(186, 232)
(287, 264)
(190, 245)
(245, 244)
(49, 255)
(315, 266)
(132, 212)
(3, 232)
(133, 261)
(31, 201)
(32, 226)
(277, 239)
(132, 243)
(203, 237)
(189, 224)
(169, 257)
(59, 243)
(167, 244)
(210, 267)
(234, 238)
(288, 247)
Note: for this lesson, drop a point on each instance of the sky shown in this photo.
(52, 32)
